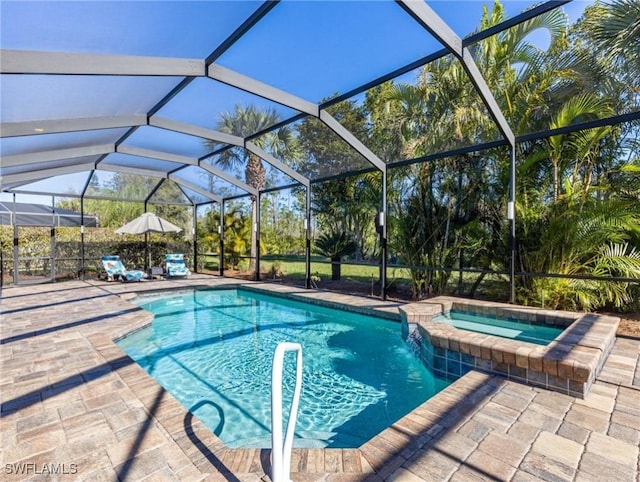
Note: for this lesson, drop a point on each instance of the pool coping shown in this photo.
(569, 364)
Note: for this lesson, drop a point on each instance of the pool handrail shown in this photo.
(281, 451)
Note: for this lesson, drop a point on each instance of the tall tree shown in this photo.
(346, 204)
(453, 202)
(615, 29)
(281, 143)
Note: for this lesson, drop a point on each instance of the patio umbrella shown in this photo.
(146, 223)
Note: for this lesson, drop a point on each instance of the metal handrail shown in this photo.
(281, 450)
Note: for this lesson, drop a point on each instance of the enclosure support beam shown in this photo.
(73, 63)
(146, 244)
(153, 191)
(152, 154)
(307, 234)
(282, 167)
(227, 177)
(52, 239)
(431, 21)
(383, 239)
(192, 130)
(253, 86)
(256, 230)
(221, 233)
(195, 238)
(132, 170)
(350, 139)
(146, 235)
(32, 176)
(16, 267)
(486, 95)
(56, 155)
(194, 188)
(53, 126)
(82, 238)
(511, 215)
(82, 252)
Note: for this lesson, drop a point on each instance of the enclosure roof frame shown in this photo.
(66, 63)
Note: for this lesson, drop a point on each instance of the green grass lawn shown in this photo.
(350, 272)
(494, 286)
(295, 269)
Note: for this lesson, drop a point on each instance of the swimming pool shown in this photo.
(212, 349)
(516, 330)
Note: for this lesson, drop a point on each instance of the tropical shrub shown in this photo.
(334, 245)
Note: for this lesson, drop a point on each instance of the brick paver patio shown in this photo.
(74, 404)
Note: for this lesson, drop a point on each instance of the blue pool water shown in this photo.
(212, 349)
(538, 334)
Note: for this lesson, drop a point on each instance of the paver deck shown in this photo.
(73, 404)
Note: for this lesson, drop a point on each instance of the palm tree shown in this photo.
(616, 31)
(442, 111)
(576, 148)
(244, 121)
(236, 233)
(334, 245)
(586, 237)
(438, 113)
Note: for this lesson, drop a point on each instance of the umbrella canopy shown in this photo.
(146, 223)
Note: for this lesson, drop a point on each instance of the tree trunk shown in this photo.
(460, 288)
(556, 180)
(255, 175)
(335, 268)
(475, 285)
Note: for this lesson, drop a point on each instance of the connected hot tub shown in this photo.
(567, 362)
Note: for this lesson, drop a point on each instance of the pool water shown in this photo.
(517, 330)
(213, 349)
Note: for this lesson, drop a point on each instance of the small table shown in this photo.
(155, 272)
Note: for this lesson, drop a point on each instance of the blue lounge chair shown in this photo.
(175, 266)
(116, 271)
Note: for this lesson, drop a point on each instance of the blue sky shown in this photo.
(293, 47)
(311, 48)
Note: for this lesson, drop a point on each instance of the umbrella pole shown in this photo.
(146, 253)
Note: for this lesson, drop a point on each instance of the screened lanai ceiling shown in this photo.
(91, 90)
